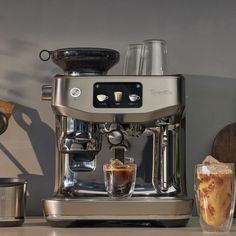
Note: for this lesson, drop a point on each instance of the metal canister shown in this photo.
(12, 201)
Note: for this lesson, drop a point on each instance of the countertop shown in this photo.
(38, 227)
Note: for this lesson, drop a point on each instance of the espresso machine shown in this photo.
(100, 116)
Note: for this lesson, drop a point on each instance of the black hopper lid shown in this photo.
(82, 60)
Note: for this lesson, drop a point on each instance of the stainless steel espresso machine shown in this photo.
(99, 117)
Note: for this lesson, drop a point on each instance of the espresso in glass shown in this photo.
(120, 178)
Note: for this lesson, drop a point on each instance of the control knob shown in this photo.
(115, 137)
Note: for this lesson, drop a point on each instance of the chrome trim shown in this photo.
(46, 92)
(145, 208)
(108, 217)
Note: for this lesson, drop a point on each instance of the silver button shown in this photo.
(75, 92)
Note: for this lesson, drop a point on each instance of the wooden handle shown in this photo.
(7, 107)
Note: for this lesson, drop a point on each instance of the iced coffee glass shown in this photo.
(215, 195)
(120, 178)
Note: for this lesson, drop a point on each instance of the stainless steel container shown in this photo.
(12, 201)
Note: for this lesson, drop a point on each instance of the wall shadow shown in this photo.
(42, 139)
(15, 88)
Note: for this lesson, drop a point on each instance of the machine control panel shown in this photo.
(117, 95)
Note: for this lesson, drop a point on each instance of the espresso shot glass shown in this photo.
(120, 178)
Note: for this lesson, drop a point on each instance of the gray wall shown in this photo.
(201, 40)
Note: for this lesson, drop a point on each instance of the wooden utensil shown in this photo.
(7, 107)
(224, 144)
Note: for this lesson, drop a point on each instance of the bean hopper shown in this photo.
(97, 116)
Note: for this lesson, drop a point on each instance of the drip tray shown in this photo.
(157, 211)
